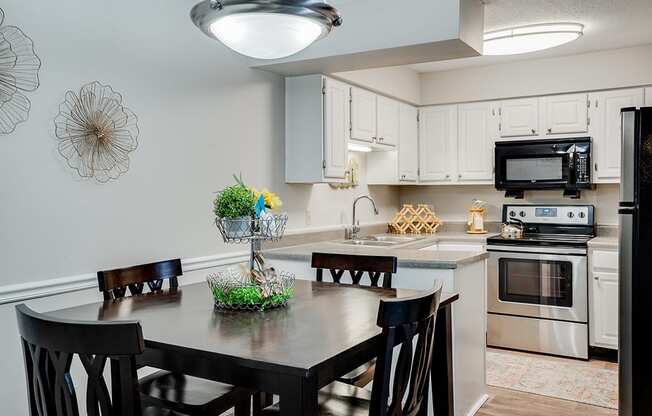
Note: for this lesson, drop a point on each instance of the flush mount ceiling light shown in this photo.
(266, 29)
(524, 39)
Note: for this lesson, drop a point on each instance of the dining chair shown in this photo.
(181, 393)
(49, 347)
(403, 391)
(356, 266)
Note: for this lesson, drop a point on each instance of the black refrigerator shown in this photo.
(635, 264)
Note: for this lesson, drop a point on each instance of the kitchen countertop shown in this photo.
(408, 254)
(604, 242)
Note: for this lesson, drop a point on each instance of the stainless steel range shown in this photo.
(538, 286)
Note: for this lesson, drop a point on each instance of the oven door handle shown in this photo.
(538, 250)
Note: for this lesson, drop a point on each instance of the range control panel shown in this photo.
(550, 214)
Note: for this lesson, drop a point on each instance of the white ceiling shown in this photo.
(608, 24)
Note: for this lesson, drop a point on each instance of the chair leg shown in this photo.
(243, 408)
(261, 401)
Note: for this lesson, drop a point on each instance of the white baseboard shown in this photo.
(476, 407)
(25, 291)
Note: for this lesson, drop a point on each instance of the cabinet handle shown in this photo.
(549, 131)
(596, 278)
(534, 131)
(374, 138)
(596, 166)
(459, 176)
(448, 176)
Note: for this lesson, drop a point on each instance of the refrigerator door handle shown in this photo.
(626, 246)
(627, 158)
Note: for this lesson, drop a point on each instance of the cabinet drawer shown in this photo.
(605, 260)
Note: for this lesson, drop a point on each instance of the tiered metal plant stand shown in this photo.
(261, 287)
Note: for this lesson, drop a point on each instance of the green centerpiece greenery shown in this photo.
(234, 201)
(250, 297)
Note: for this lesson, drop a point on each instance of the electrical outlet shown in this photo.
(308, 217)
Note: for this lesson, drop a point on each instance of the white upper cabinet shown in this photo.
(437, 143)
(317, 115)
(363, 115)
(648, 96)
(336, 128)
(519, 117)
(475, 142)
(408, 149)
(387, 122)
(563, 114)
(605, 130)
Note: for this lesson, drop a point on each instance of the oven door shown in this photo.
(538, 284)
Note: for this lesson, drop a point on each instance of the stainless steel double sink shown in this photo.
(381, 240)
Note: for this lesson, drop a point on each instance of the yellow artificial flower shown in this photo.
(272, 201)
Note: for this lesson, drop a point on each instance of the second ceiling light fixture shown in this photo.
(266, 29)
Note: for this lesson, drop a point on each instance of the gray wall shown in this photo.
(203, 115)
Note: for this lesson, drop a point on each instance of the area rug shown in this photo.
(594, 383)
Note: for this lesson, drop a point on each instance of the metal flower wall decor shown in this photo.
(19, 68)
(96, 132)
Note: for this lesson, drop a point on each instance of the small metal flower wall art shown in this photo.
(19, 68)
(96, 132)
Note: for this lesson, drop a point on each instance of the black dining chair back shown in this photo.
(403, 320)
(49, 347)
(376, 267)
(115, 283)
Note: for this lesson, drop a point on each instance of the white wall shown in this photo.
(203, 115)
(451, 203)
(399, 82)
(591, 71)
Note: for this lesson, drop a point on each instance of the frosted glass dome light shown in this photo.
(265, 29)
(524, 39)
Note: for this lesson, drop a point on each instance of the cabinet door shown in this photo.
(437, 138)
(408, 149)
(363, 115)
(336, 128)
(605, 130)
(648, 97)
(519, 117)
(387, 121)
(565, 114)
(474, 143)
(604, 310)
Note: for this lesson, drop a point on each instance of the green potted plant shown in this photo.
(234, 207)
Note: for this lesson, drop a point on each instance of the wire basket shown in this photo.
(245, 229)
(232, 290)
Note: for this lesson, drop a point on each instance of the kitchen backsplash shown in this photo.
(451, 203)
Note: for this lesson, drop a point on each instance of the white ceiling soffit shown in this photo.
(381, 33)
(608, 24)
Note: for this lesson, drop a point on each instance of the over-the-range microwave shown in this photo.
(544, 164)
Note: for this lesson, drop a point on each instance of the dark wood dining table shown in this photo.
(326, 331)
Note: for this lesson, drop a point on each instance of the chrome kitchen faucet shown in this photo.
(351, 233)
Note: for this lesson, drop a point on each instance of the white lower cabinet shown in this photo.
(603, 298)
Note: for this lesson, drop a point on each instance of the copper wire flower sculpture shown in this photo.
(96, 132)
(19, 68)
